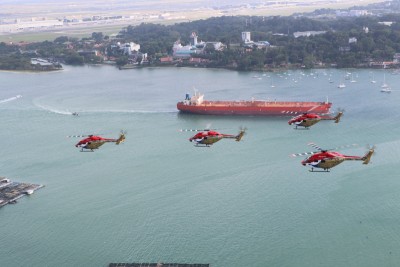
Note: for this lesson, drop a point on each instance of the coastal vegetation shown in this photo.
(341, 42)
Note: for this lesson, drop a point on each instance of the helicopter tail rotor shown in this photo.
(367, 157)
(241, 134)
(338, 116)
(121, 138)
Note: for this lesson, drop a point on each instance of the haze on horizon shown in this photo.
(24, 8)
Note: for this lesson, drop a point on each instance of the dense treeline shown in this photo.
(333, 48)
(378, 43)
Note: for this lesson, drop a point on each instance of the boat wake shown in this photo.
(99, 111)
(53, 110)
(10, 99)
(131, 111)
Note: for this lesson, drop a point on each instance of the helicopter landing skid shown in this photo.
(319, 171)
(201, 146)
(305, 128)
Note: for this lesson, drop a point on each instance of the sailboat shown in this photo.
(341, 85)
(352, 79)
(385, 87)
(272, 83)
(373, 80)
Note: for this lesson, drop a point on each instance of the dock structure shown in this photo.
(10, 191)
(158, 265)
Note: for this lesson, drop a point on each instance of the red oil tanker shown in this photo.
(197, 105)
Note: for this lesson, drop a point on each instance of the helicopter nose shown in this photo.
(303, 163)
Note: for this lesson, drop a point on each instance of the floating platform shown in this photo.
(158, 265)
(10, 191)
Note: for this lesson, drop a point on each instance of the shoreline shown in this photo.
(31, 71)
(194, 67)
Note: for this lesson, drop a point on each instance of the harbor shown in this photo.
(11, 191)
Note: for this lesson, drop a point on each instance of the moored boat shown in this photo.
(197, 105)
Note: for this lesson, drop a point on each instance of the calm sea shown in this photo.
(157, 198)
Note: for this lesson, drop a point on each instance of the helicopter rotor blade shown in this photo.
(291, 113)
(192, 130)
(83, 135)
(78, 136)
(334, 148)
(315, 146)
(303, 154)
(201, 130)
(340, 110)
(311, 109)
(344, 146)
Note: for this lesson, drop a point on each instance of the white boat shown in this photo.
(373, 80)
(386, 90)
(29, 192)
(341, 85)
(384, 84)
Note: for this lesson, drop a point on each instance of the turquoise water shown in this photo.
(157, 198)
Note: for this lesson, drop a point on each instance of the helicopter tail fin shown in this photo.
(240, 135)
(121, 139)
(368, 156)
(338, 116)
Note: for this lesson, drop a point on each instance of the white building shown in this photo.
(193, 39)
(307, 34)
(129, 48)
(246, 37)
(178, 50)
(352, 40)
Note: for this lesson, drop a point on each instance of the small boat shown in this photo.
(341, 85)
(385, 87)
(29, 192)
(75, 114)
(386, 90)
(373, 80)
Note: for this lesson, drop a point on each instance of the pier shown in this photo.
(10, 191)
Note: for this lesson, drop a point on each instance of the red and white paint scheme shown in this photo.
(325, 159)
(307, 120)
(94, 142)
(208, 137)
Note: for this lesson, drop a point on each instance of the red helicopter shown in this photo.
(326, 159)
(307, 120)
(207, 137)
(94, 142)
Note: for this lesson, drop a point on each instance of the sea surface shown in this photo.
(157, 198)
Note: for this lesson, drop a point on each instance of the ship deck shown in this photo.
(258, 103)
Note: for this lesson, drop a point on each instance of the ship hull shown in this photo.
(258, 108)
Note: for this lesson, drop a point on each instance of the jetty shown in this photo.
(11, 191)
(158, 265)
